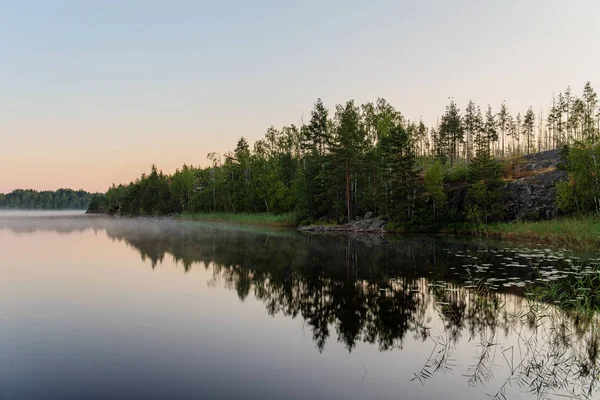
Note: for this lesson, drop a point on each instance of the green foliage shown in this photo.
(347, 151)
(434, 181)
(473, 122)
(528, 124)
(583, 165)
(61, 199)
(457, 173)
(369, 158)
(148, 195)
(451, 133)
(317, 137)
(365, 159)
(435, 209)
(399, 173)
(485, 196)
(566, 197)
(488, 133)
(504, 124)
(97, 204)
(275, 220)
(310, 182)
(182, 188)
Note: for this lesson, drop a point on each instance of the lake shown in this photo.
(93, 307)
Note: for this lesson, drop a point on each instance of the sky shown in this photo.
(94, 92)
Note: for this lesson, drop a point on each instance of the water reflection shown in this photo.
(367, 289)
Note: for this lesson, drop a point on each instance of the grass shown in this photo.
(393, 227)
(582, 232)
(263, 219)
(574, 232)
(577, 294)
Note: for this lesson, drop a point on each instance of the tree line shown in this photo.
(61, 199)
(358, 158)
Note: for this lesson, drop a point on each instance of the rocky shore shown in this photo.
(368, 224)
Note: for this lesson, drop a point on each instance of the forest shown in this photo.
(357, 158)
(61, 199)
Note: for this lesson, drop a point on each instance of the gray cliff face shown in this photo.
(531, 197)
(539, 161)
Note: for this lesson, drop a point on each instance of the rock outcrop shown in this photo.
(533, 198)
(541, 161)
(368, 225)
(529, 197)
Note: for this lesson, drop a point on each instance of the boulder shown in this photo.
(370, 225)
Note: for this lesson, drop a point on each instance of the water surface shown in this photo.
(99, 308)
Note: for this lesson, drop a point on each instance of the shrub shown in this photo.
(458, 173)
(565, 197)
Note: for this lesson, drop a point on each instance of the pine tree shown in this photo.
(528, 124)
(576, 118)
(484, 196)
(511, 131)
(566, 108)
(559, 109)
(421, 139)
(487, 134)
(503, 117)
(451, 131)
(348, 148)
(317, 138)
(315, 143)
(400, 174)
(590, 99)
(471, 126)
(518, 125)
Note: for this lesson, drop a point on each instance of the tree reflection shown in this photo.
(381, 291)
(363, 288)
(375, 291)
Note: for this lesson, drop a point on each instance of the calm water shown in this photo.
(100, 308)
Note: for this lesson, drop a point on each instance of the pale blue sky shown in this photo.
(93, 92)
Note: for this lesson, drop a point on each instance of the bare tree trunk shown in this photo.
(348, 202)
(503, 135)
(596, 200)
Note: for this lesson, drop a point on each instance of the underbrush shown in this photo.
(278, 220)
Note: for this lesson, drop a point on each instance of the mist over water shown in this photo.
(39, 213)
(95, 307)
